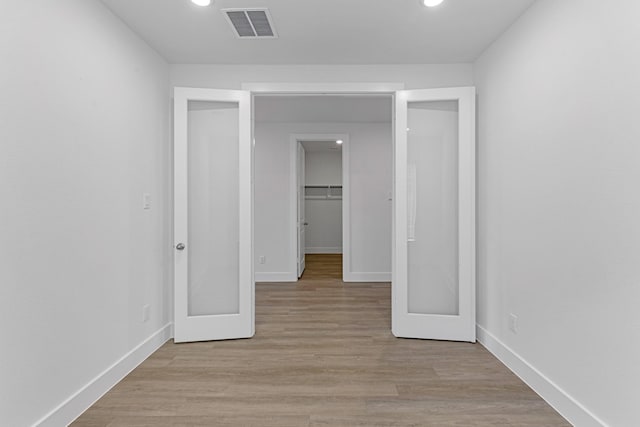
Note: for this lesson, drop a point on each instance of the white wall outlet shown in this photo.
(262, 259)
(146, 312)
(513, 323)
(146, 201)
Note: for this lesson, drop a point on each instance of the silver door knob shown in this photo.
(180, 246)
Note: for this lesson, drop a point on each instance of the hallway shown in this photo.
(323, 354)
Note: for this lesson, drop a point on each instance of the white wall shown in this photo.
(83, 133)
(323, 167)
(559, 206)
(232, 76)
(370, 181)
(324, 232)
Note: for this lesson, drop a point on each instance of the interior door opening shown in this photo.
(342, 145)
(320, 207)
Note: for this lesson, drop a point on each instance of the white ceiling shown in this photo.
(323, 31)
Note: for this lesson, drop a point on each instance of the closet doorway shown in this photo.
(321, 216)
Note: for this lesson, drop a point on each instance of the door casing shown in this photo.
(293, 206)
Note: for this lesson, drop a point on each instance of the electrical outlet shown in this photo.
(513, 323)
(146, 311)
(146, 201)
(262, 259)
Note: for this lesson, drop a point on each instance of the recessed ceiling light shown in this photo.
(339, 142)
(431, 3)
(201, 2)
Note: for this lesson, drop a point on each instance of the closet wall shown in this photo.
(323, 203)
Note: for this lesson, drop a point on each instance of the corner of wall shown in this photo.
(553, 394)
(79, 402)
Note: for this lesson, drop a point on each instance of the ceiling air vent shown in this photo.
(251, 23)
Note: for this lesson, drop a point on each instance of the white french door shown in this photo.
(213, 214)
(433, 289)
(434, 215)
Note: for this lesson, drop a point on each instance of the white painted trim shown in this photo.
(323, 250)
(293, 195)
(293, 205)
(346, 208)
(322, 88)
(367, 277)
(285, 276)
(82, 400)
(555, 396)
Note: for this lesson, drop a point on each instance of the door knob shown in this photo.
(180, 246)
(306, 223)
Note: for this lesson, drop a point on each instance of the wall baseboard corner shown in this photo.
(560, 400)
(80, 401)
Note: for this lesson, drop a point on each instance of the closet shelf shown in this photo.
(323, 192)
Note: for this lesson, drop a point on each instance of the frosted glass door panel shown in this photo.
(432, 190)
(433, 290)
(213, 208)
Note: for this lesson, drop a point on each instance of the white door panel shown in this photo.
(213, 215)
(434, 215)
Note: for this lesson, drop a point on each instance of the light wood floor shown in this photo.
(323, 355)
(320, 267)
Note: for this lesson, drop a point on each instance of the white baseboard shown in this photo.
(82, 400)
(367, 277)
(336, 250)
(276, 277)
(559, 399)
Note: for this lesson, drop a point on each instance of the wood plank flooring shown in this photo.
(322, 266)
(323, 355)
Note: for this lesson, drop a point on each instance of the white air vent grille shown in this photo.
(250, 23)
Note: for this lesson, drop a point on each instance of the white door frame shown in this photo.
(294, 139)
(322, 88)
(301, 221)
